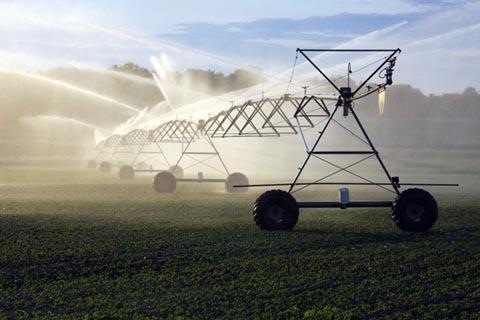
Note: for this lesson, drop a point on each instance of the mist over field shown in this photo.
(53, 107)
(55, 114)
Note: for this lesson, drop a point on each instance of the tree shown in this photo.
(132, 68)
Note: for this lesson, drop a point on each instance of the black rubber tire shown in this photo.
(164, 182)
(105, 167)
(92, 164)
(275, 210)
(414, 210)
(126, 172)
(236, 179)
(142, 166)
(177, 171)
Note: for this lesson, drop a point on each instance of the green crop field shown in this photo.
(80, 244)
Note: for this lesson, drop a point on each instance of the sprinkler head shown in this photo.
(346, 93)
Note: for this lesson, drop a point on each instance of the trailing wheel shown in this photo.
(126, 172)
(275, 210)
(164, 182)
(236, 179)
(105, 167)
(92, 164)
(177, 171)
(414, 210)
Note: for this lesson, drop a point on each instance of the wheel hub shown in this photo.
(276, 213)
(415, 211)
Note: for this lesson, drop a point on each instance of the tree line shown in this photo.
(218, 82)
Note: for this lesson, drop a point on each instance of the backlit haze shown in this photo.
(59, 96)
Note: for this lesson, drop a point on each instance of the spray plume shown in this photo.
(78, 89)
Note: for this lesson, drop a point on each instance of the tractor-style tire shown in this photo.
(105, 167)
(92, 164)
(236, 179)
(275, 210)
(126, 172)
(177, 171)
(164, 182)
(414, 210)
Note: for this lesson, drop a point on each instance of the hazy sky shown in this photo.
(441, 38)
(162, 16)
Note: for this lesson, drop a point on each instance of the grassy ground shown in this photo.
(79, 244)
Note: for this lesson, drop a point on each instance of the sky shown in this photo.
(440, 39)
(163, 16)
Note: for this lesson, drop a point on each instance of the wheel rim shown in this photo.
(276, 213)
(164, 182)
(415, 212)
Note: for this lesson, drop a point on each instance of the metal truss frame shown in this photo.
(138, 141)
(107, 147)
(135, 143)
(177, 131)
(202, 157)
(345, 99)
(267, 117)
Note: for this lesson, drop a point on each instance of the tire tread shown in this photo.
(406, 196)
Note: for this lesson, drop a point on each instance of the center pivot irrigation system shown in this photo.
(134, 144)
(195, 145)
(412, 209)
(266, 117)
